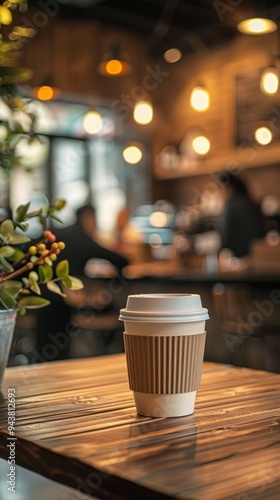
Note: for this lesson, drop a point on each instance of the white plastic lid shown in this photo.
(170, 308)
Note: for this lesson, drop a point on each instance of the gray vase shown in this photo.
(7, 326)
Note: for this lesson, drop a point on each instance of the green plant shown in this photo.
(37, 265)
(15, 119)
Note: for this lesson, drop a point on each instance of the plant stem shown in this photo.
(26, 256)
(24, 268)
(16, 273)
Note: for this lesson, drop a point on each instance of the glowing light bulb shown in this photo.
(263, 136)
(45, 93)
(92, 122)
(201, 145)
(200, 99)
(114, 67)
(143, 112)
(132, 154)
(270, 81)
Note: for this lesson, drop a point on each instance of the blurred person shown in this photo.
(128, 237)
(242, 220)
(81, 245)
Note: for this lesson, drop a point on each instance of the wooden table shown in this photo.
(76, 423)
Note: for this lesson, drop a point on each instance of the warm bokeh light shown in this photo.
(159, 219)
(155, 240)
(263, 136)
(201, 145)
(270, 205)
(92, 122)
(143, 112)
(132, 154)
(172, 55)
(22, 31)
(45, 93)
(114, 67)
(199, 99)
(270, 81)
(257, 26)
(114, 63)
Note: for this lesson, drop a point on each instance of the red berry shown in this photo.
(48, 235)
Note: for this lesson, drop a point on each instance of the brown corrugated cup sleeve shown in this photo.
(164, 365)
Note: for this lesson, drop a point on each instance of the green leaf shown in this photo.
(5, 265)
(33, 302)
(7, 228)
(17, 239)
(12, 287)
(7, 251)
(60, 204)
(33, 275)
(48, 261)
(76, 284)
(25, 281)
(22, 225)
(48, 272)
(53, 287)
(3, 239)
(21, 212)
(15, 75)
(41, 272)
(34, 285)
(67, 282)
(62, 269)
(42, 221)
(56, 218)
(6, 299)
(18, 254)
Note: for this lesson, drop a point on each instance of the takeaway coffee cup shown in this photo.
(164, 338)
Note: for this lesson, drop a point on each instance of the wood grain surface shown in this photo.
(76, 423)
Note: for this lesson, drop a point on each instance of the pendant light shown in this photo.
(114, 63)
(47, 91)
(257, 26)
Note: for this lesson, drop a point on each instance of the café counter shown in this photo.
(244, 308)
(244, 314)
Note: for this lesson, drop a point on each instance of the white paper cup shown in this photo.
(164, 342)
